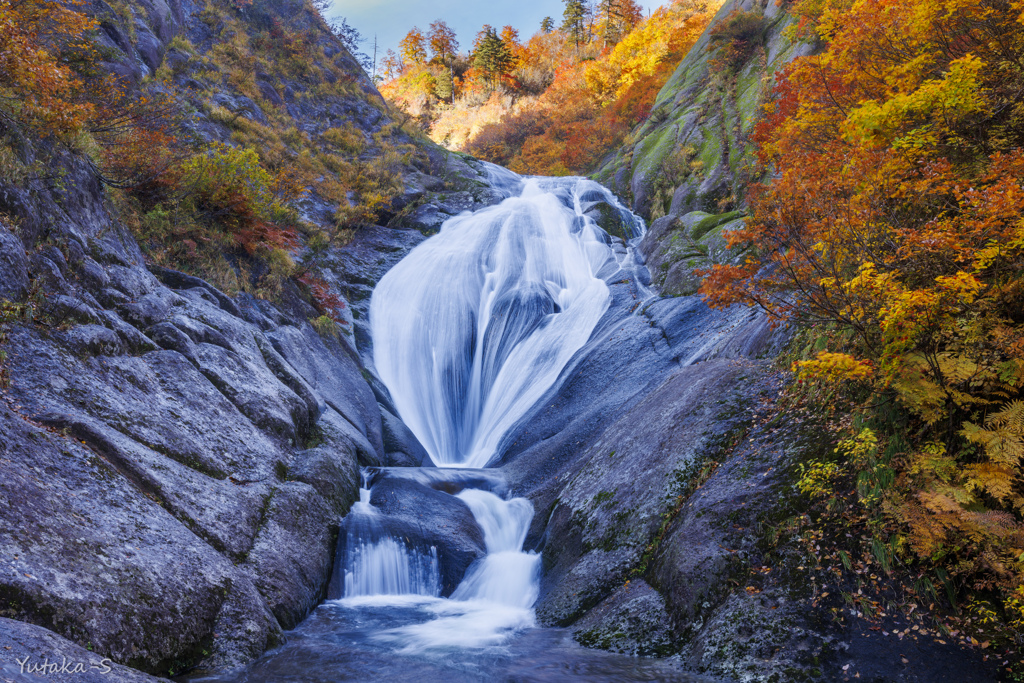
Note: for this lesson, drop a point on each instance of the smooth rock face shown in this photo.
(41, 654)
(333, 372)
(609, 512)
(95, 557)
(402, 447)
(13, 268)
(290, 559)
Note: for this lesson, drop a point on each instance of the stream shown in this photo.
(470, 330)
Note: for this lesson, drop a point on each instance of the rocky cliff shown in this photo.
(176, 460)
(663, 467)
(686, 169)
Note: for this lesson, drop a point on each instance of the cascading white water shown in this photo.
(378, 564)
(476, 324)
(506, 575)
(495, 598)
(387, 567)
(470, 330)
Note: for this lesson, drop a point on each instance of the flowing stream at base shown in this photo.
(470, 330)
(493, 601)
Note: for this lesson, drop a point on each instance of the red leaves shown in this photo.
(325, 300)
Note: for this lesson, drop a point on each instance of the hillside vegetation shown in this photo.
(556, 104)
(230, 145)
(891, 227)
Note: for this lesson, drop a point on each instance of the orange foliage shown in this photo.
(51, 87)
(324, 299)
(894, 217)
(590, 106)
(38, 40)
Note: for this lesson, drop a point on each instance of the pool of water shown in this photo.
(348, 641)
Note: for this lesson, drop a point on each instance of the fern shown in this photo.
(1011, 417)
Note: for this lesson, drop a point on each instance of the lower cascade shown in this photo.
(507, 575)
(379, 564)
(493, 600)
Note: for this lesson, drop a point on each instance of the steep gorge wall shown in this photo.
(175, 460)
(663, 469)
(686, 169)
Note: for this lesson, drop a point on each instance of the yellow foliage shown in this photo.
(817, 478)
(833, 367)
(904, 120)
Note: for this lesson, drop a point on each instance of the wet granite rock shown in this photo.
(13, 265)
(632, 620)
(333, 370)
(431, 518)
(290, 559)
(611, 510)
(402, 448)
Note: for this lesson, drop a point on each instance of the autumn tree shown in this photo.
(38, 40)
(391, 65)
(510, 37)
(413, 47)
(442, 41)
(588, 106)
(615, 18)
(481, 35)
(52, 89)
(893, 220)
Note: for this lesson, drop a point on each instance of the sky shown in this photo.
(390, 20)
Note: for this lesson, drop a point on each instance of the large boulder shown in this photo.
(433, 518)
(402, 448)
(98, 558)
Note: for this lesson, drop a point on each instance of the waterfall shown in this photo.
(495, 598)
(388, 567)
(377, 564)
(506, 575)
(470, 330)
(476, 324)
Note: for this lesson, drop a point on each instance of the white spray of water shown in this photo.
(495, 599)
(388, 567)
(506, 575)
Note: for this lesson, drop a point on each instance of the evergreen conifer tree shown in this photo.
(444, 87)
(493, 56)
(574, 23)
